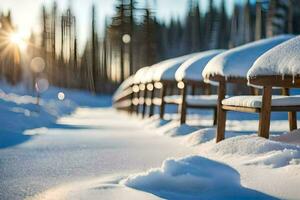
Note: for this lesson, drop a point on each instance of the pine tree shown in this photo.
(277, 17)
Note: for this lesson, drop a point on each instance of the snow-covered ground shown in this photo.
(99, 153)
(90, 144)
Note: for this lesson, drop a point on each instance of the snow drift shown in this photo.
(193, 177)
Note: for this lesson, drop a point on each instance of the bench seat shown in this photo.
(193, 100)
(256, 101)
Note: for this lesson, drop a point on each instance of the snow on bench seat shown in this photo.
(193, 100)
(192, 68)
(256, 101)
(237, 61)
(283, 59)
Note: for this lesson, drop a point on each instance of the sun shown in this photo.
(18, 39)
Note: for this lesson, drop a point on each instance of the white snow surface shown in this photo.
(237, 61)
(124, 85)
(256, 101)
(193, 67)
(195, 100)
(140, 75)
(222, 171)
(20, 111)
(283, 59)
(47, 155)
(166, 70)
(98, 153)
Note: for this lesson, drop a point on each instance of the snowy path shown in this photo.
(90, 144)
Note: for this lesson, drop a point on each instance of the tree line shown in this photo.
(134, 37)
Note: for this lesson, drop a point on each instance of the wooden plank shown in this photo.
(220, 78)
(265, 114)
(276, 81)
(221, 117)
(162, 106)
(241, 109)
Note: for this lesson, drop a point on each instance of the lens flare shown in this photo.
(17, 39)
(61, 96)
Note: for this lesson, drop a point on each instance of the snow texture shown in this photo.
(262, 151)
(124, 85)
(283, 59)
(166, 70)
(237, 61)
(140, 75)
(193, 177)
(20, 111)
(193, 67)
(256, 101)
(195, 100)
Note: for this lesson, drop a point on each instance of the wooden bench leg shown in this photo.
(292, 120)
(221, 114)
(215, 117)
(182, 108)
(162, 106)
(265, 113)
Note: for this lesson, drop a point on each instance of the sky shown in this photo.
(27, 13)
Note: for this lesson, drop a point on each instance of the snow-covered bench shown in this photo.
(122, 98)
(139, 89)
(279, 67)
(188, 76)
(232, 67)
(163, 77)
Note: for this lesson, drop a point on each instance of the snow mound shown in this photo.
(173, 129)
(292, 137)
(19, 112)
(283, 59)
(124, 85)
(201, 136)
(205, 135)
(237, 61)
(260, 150)
(193, 67)
(166, 70)
(140, 74)
(192, 177)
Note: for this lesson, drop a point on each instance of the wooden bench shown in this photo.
(231, 68)
(261, 104)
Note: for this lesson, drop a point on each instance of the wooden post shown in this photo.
(265, 113)
(144, 103)
(183, 105)
(138, 98)
(131, 97)
(221, 114)
(162, 97)
(151, 106)
(292, 116)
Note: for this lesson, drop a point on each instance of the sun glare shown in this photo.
(17, 39)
